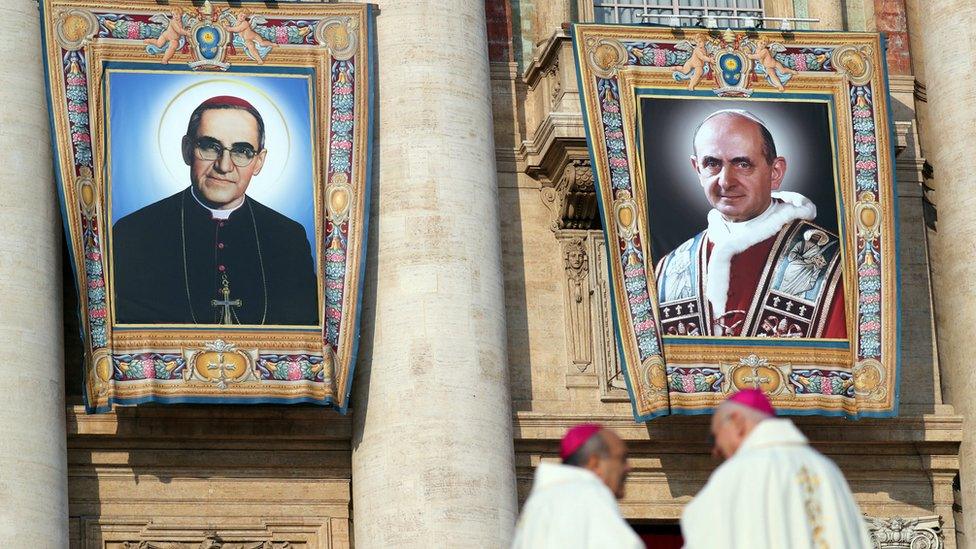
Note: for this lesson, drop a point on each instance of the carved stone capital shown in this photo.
(906, 533)
(571, 199)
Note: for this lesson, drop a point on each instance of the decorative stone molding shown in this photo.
(208, 475)
(906, 533)
(272, 534)
(613, 386)
(577, 258)
(212, 541)
(903, 132)
(591, 347)
(572, 200)
(554, 151)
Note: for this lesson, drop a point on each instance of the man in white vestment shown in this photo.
(573, 504)
(773, 491)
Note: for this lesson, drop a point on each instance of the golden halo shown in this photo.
(276, 123)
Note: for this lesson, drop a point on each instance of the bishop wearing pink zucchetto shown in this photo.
(773, 490)
(574, 503)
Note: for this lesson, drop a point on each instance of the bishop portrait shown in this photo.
(210, 254)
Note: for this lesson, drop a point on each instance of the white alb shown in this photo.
(570, 507)
(775, 492)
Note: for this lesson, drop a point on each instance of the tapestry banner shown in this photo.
(213, 162)
(745, 183)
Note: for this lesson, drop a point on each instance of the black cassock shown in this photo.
(171, 259)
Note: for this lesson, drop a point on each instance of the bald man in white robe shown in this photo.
(773, 491)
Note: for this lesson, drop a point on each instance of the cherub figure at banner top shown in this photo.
(256, 46)
(697, 65)
(172, 38)
(762, 52)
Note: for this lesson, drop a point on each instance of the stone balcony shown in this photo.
(554, 151)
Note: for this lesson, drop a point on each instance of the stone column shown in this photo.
(947, 33)
(33, 459)
(433, 461)
(829, 12)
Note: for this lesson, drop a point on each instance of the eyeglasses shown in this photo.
(209, 149)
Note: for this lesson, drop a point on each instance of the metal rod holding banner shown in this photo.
(711, 21)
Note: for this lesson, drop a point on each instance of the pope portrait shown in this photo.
(762, 267)
(211, 254)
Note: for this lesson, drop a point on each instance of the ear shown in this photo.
(694, 164)
(778, 172)
(736, 418)
(259, 161)
(593, 463)
(187, 148)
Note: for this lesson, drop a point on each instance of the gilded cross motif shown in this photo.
(755, 379)
(222, 366)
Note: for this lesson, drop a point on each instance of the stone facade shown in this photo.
(918, 451)
(444, 466)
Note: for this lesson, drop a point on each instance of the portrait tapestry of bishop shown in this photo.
(211, 254)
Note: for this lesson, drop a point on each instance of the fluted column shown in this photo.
(33, 462)
(947, 33)
(433, 462)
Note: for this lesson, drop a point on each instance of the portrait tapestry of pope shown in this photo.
(762, 267)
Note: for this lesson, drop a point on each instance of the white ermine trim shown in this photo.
(729, 238)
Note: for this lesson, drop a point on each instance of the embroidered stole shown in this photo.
(792, 296)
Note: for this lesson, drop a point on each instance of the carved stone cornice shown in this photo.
(545, 55)
(906, 533)
(928, 433)
(210, 426)
(554, 151)
(212, 541)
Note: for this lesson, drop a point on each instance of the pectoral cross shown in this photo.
(226, 303)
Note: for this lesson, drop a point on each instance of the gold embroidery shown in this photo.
(810, 484)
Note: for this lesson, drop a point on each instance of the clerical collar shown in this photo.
(215, 214)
